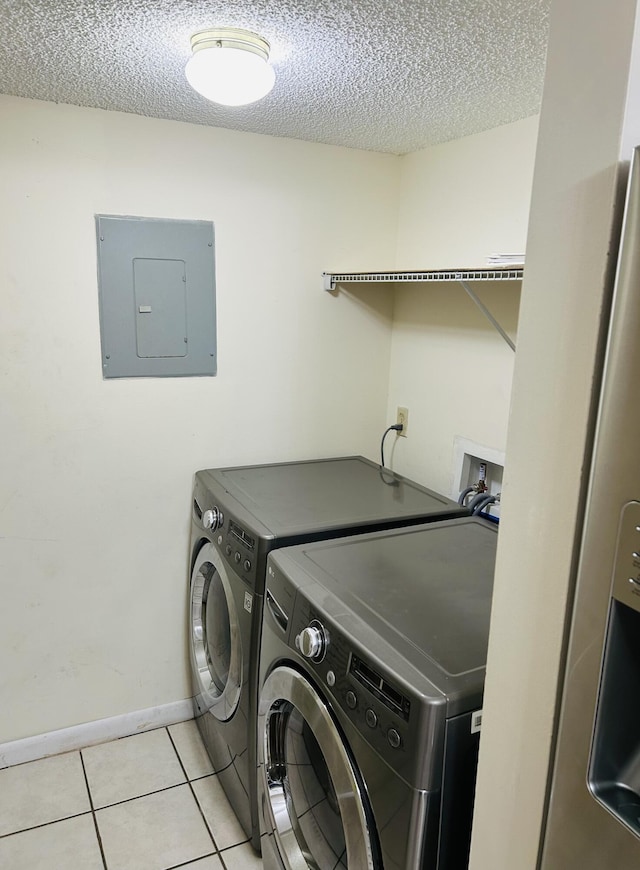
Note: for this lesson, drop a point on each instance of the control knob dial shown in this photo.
(312, 641)
(210, 519)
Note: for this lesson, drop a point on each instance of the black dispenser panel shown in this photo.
(614, 770)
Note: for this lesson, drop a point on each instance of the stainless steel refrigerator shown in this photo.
(593, 819)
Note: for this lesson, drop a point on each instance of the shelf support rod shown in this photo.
(488, 314)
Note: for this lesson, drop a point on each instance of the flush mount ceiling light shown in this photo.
(230, 66)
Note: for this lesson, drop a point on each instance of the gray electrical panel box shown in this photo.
(156, 282)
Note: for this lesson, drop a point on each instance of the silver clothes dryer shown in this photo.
(239, 516)
(371, 681)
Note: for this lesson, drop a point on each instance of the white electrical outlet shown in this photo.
(402, 419)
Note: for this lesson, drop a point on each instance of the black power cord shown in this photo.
(397, 427)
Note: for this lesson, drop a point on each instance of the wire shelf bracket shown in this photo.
(331, 280)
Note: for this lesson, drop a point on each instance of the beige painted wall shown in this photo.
(96, 475)
(453, 373)
(466, 199)
(460, 201)
(570, 242)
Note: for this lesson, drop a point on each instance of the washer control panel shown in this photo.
(370, 699)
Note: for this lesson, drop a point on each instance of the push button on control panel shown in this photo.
(370, 718)
(394, 738)
(351, 700)
(247, 565)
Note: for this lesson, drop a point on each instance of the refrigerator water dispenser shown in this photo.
(614, 769)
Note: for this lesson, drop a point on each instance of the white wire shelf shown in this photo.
(506, 273)
(461, 276)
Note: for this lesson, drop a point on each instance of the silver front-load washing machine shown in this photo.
(239, 516)
(371, 681)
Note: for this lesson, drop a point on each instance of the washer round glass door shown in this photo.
(313, 798)
(215, 635)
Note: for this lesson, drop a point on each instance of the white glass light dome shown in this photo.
(230, 66)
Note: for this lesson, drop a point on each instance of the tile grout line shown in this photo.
(202, 775)
(195, 797)
(138, 797)
(219, 852)
(44, 824)
(93, 812)
(192, 861)
(156, 790)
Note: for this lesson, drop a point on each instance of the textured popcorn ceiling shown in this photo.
(384, 75)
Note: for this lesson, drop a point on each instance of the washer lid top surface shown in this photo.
(426, 590)
(305, 497)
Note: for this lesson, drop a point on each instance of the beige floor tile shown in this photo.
(153, 832)
(242, 858)
(210, 863)
(131, 767)
(225, 827)
(42, 791)
(191, 749)
(68, 845)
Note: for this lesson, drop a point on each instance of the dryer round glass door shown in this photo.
(216, 648)
(313, 798)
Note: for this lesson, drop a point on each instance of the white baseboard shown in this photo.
(100, 731)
